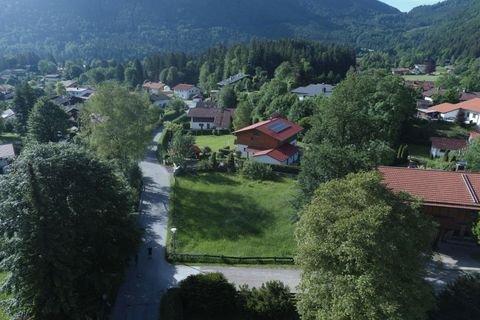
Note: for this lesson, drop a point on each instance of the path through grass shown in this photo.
(228, 215)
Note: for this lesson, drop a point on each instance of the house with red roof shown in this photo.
(440, 145)
(153, 87)
(449, 111)
(450, 198)
(185, 91)
(272, 141)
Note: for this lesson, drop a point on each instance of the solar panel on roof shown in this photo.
(278, 127)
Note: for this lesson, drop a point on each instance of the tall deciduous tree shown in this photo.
(118, 123)
(243, 115)
(180, 147)
(47, 122)
(363, 251)
(23, 102)
(472, 156)
(66, 232)
(227, 98)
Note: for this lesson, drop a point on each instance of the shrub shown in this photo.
(286, 169)
(204, 166)
(257, 171)
(171, 305)
(460, 300)
(272, 301)
(231, 163)
(208, 297)
(213, 161)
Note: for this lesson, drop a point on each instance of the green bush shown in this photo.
(171, 305)
(257, 171)
(213, 161)
(207, 297)
(286, 169)
(460, 300)
(204, 166)
(272, 301)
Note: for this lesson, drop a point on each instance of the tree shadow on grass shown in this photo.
(219, 215)
(212, 178)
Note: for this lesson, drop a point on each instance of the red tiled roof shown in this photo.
(434, 187)
(470, 105)
(443, 108)
(280, 154)
(264, 127)
(448, 143)
(469, 96)
(153, 85)
(183, 87)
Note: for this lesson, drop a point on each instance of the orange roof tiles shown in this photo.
(264, 127)
(434, 187)
(470, 105)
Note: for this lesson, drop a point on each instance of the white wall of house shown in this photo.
(435, 152)
(449, 116)
(267, 160)
(187, 94)
(243, 149)
(198, 125)
(161, 103)
(472, 117)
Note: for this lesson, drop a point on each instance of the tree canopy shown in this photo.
(47, 121)
(118, 123)
(363, 251)
(66, 232)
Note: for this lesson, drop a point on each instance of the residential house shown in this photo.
(314, 90)
(52, 78)
(420, 68)
(400, 71)
(153, 87)
(69, 83)
(233, 79)
(185, 91)
(465, 96)
(82, 93)
(450, 111)
(160, 99)
(8, 115)
(205, 118)
(273, 141)
(450, 198)
(7, 154)
(441, 145)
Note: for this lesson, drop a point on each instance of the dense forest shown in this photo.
(125, 29)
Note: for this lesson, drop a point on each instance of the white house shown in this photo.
(7, 154)
(204, 118)
(314, 90)
(441, 145)
(449, 111)
(154, 87)
(8, 115)
(185, 91)
(160, 100)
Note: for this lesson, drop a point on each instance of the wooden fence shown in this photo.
(206, 258)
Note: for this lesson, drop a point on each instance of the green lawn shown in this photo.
(418, 151)
(421, 77)
(215, 142)
(8, 137)
(228, 215)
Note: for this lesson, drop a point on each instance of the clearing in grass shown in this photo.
(224, 214)
(215, 142)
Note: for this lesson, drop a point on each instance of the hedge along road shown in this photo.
(149, 274)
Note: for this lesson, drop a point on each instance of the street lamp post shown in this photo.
(174, 231)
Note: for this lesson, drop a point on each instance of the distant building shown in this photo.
(69, 83)
(233, 79)
(82, 93)
(185, 91)
(314, 90)
(204, 118)
(153, 87)
(400, 71)
(7, 154)
(8, 115)
(160, 99)
(440, 145)
(272, 141)
(52, 78)
(450, 111)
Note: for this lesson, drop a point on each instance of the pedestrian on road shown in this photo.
(149, 252)
(136, 259)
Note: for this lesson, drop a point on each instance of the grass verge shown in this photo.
(215, 142)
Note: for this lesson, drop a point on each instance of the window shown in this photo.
(208, 125)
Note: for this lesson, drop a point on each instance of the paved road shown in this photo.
(145, 281)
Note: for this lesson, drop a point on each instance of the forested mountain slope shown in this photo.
(125, 28)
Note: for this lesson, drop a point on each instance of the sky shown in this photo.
(407, 5)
